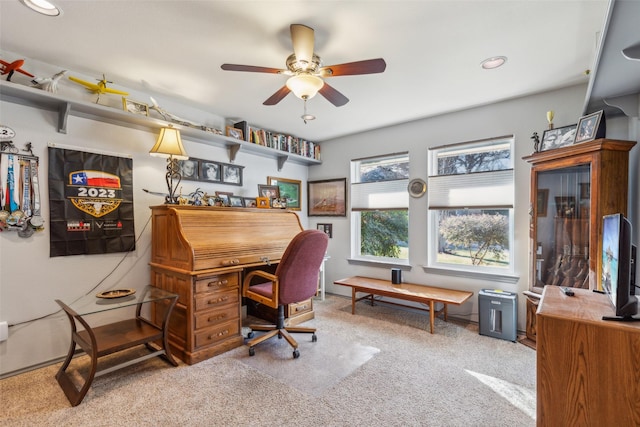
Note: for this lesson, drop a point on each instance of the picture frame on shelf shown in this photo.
(558, 137)
(279, 203)
(289, 189)
(542, 200)
(234, 132)
(250, 202)
(224, 196)
(236, 202)
(326, 228)
(210, 171)
(189, 169)
(263, 203)
(135, 107)
(327, 197)
(231, 174)
(268, 191)
(590, 127)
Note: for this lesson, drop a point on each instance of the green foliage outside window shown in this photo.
(384, 232)
(479, 234)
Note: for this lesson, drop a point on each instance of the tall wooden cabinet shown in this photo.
(572, 188)
(587, 368)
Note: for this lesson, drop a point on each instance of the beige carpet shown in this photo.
(380, 367)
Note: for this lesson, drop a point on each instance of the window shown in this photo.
(379, 208)
(471, 192)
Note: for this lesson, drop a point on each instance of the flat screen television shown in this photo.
(617, 265)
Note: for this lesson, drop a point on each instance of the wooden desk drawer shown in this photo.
(215, 317)
(217, 283)
(298, 308)
(217, 333)
(217, 299)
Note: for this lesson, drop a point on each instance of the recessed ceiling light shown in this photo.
(494, 62)
(42, 6)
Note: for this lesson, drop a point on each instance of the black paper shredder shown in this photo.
(498, 314)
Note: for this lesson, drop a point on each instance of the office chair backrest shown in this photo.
(299, 266)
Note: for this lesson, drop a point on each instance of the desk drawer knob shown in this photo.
(231, 262)
(218, 283)
(218, 300)
(218, 317)
(219, 334)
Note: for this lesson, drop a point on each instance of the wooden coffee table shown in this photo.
(405, 291)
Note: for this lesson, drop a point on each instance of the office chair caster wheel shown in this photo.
(296, 353)
(252, 351)
(314, 338)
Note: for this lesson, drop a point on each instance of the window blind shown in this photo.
(380, 195)
(475, 190)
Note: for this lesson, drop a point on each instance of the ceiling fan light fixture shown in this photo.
(305, 86)
(42, 6)
(493, 62)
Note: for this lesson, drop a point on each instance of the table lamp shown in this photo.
(169, 145)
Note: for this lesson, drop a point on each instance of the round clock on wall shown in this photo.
(417, 187)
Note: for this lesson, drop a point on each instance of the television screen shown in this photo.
(617, 259)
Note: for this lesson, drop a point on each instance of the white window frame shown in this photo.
(398, 199)
(440, 200)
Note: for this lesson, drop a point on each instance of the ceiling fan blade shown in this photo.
(278, 96)
(250, 68)
(369, 66)
(333, 96)
(302, 38)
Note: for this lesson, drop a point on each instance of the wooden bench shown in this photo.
(405, 291)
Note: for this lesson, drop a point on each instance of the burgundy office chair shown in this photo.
(295, 280)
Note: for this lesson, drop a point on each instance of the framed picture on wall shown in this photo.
(289, 189)
(189, 169)
(327, 197)
(210, 171)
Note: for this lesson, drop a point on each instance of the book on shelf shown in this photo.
(279, 141)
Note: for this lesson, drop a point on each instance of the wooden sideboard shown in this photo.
(588, 369)
(201, 253)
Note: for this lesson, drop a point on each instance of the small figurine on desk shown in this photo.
(536, 142)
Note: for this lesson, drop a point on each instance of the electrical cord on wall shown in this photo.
(96, 286)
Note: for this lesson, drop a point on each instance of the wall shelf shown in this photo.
(36, 98)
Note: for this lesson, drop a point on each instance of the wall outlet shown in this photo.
(4, 331)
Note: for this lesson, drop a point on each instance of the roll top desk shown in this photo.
(201, 253)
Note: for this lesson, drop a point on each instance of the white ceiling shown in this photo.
(433, 51)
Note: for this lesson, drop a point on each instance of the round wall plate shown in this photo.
(417, 187)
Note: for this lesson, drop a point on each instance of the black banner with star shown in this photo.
(90, 203)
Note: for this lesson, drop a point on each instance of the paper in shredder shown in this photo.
(498, 314)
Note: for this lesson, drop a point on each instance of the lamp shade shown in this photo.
(305, 86)
(169, 144)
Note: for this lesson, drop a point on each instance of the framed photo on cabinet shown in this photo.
(591, 127)
(558, 137)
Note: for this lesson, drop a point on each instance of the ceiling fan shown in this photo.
(307, 72)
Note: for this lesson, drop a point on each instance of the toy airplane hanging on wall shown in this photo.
(99, 88)
(11, 67)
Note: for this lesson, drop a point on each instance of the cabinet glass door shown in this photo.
(562, 227)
